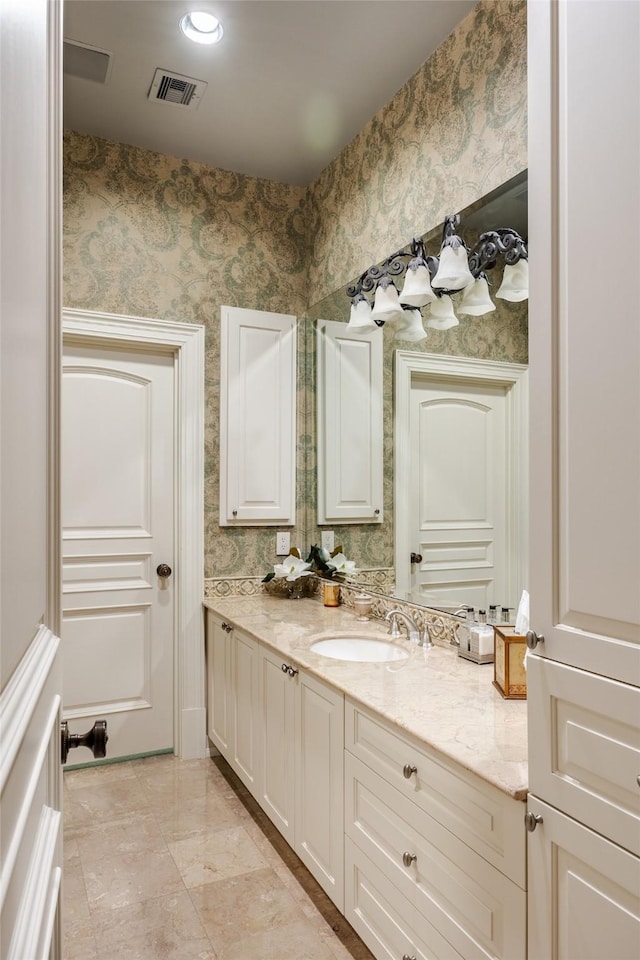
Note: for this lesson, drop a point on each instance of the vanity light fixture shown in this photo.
(436, 282)
(201, 27)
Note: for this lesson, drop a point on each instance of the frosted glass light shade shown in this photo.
(386, 304)
(417, 291)
(360, 316)
(453, 269)
(515, 282)
(442, 316)
(476, 300)
(410, 328)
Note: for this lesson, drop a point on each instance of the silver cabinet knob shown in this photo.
(226, 626)
(163, 570)
(405, 956)
(408, 771)
(531, 820)
(408, 858)
(533, 639)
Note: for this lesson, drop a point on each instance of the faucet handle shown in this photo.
(394, 626)
(425, 638)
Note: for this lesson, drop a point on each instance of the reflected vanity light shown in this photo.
(434, 282)
(410, 328)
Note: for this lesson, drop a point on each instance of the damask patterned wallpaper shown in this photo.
(156, 236)
(454, 132)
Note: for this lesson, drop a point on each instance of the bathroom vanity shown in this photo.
(399, 784)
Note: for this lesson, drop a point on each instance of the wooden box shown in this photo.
(509, 674)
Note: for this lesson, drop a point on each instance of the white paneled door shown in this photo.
(118, 531)
(459, 492)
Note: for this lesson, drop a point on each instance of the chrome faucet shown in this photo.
(421, 637)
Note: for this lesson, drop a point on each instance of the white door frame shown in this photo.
(463, 369)
(186, 342)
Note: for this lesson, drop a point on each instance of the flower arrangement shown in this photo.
(321, 563)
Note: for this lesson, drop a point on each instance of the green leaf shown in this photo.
(269, 576)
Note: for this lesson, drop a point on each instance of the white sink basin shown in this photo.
(363, 649)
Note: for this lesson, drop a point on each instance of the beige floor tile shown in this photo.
(165, 928)
(78, 940)
(100, 774)
(294, 941)
(122, 880)
(221, 854)
(239, 907)
(195, 818)
(138, 833)
(98, 804)
(75, 904)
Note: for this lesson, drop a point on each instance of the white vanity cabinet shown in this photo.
(435, 857)
(232, 692)
(301, 742)
(583, 677)
(282, 732)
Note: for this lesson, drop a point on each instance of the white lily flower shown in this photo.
(291, 568)
(342, 565)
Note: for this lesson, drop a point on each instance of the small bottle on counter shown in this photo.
(482, 638)
(505, 614)
(493, 613)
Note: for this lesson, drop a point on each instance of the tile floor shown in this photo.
(174, 860)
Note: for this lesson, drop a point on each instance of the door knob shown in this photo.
(163, 570)
(533, 639)
(95, 739)
(416, 558)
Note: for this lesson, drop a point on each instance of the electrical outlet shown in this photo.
(328, 540)
(283, 544)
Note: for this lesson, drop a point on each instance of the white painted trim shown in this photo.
(515, 376)
(20, 697)
(36, 912)
(186, 342)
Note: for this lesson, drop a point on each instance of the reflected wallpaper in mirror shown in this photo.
(501, 335)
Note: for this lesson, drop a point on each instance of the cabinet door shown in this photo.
(257, 417)
(218, 685)
(276, 747)
(584, 336)
(350, 430)
(587, 748)
(244, 685)
(583, 892)
(319, 821)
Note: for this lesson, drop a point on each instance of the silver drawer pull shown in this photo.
(533, 639)
(408, 858)
(408, 771)
(405, 956)
(531, 820)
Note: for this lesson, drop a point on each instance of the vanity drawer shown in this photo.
(478, 910)
(487, 820)
(382, 917)
(585, 748)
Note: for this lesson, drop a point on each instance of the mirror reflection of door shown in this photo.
(459, 483)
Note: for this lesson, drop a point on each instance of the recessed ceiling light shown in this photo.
(201, 27)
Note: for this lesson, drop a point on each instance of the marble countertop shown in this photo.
(434, 695)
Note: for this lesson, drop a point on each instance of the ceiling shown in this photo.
(290, 84)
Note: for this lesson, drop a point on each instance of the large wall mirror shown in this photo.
(455, 445)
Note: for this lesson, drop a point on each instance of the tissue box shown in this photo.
(509, 674)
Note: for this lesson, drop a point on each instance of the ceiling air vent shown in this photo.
(86, 62)
(174, 88)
